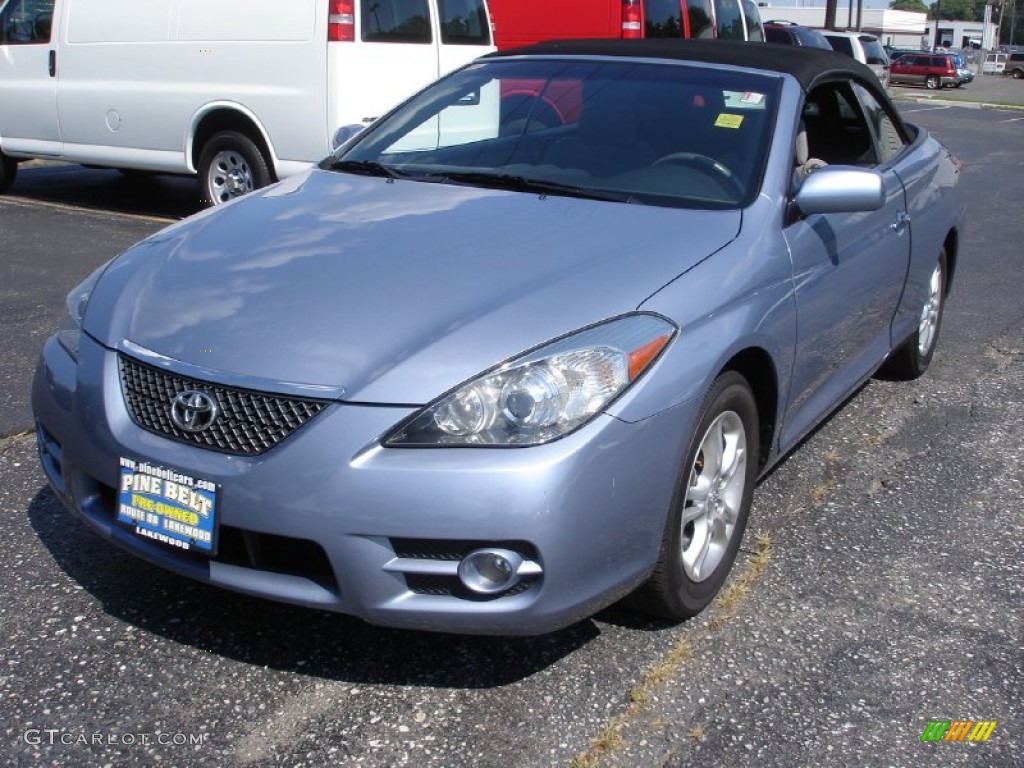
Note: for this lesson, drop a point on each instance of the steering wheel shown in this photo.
(706, 165)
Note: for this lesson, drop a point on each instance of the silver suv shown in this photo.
(1015, 65)
(864, 48)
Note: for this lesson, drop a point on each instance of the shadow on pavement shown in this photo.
(283, 637)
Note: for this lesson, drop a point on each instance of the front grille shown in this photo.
(249, 422)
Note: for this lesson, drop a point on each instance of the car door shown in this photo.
(848, 269)
(28, 79)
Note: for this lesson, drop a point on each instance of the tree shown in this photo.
(917, 6)
(959, 10)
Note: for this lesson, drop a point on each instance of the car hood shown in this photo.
(387, 291)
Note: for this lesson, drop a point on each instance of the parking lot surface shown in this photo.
(880, 588)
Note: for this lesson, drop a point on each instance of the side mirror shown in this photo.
(345, 133)
(840, 189)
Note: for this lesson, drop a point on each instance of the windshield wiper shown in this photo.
(367, 168)
(523, 184)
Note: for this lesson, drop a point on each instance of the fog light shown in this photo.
(489, 571)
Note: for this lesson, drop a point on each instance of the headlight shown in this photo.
(542, 395)
(70, 332)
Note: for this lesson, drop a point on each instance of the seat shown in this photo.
(805, 164)
(606, 141)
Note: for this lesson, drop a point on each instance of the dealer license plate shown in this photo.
(164, 505)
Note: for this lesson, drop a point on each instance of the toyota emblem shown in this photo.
(193, 411)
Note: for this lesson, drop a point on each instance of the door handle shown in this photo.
(902, 219)
(53, 63)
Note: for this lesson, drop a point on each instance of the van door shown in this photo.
(465, 33)
(394, 54)
(28, 79)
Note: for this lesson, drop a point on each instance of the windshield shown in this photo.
(650, 133)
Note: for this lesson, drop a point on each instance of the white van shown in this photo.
(994, 64)
(239, 92)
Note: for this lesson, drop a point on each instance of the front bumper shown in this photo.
(330, 519)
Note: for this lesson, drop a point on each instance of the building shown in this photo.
(899, 29)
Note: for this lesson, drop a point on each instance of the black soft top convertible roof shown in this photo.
(808, 66)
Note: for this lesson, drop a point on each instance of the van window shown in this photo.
(663, 18)
(26, 22)
(729, 19)
(698, 12)
(464, 22)
(396, 21)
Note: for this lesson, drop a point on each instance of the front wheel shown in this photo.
(710, 506)
(230, 165)
(914, 356)
(8, 170)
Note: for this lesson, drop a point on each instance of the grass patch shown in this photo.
(640, 695)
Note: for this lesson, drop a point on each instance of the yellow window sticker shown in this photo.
(729, 121)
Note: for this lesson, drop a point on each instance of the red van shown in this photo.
(523, 22)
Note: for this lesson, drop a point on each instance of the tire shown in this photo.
(912, 358)
(932, 83)
(231, 165)
(1018, 74)
(705, 524)
(8, 170)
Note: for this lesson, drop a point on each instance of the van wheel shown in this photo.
(8, 170)
(230, 165)
(931, 82)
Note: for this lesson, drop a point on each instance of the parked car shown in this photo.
(863, 48)
(1014, 65)
(788, 33)
(524, 22)
(932, 70)
(964, 74)
(235, 92)
(994, 64)
(479, 374)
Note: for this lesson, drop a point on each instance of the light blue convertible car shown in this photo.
(520, 349)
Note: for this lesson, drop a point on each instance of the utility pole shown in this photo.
(830, 13)
(938, 38)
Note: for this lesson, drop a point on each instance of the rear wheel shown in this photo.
(230, 165)
(914, 356)
(931, 82)
(8, 170)
(710, 507)
(1018, 74)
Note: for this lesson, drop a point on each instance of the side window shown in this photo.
(395, 21)
(837, 131)
(698, 14)
(841, 44)
(890, 141)
(754, 31)
(464, 22)
(663, 18)
(26, 22)
(729, 19)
